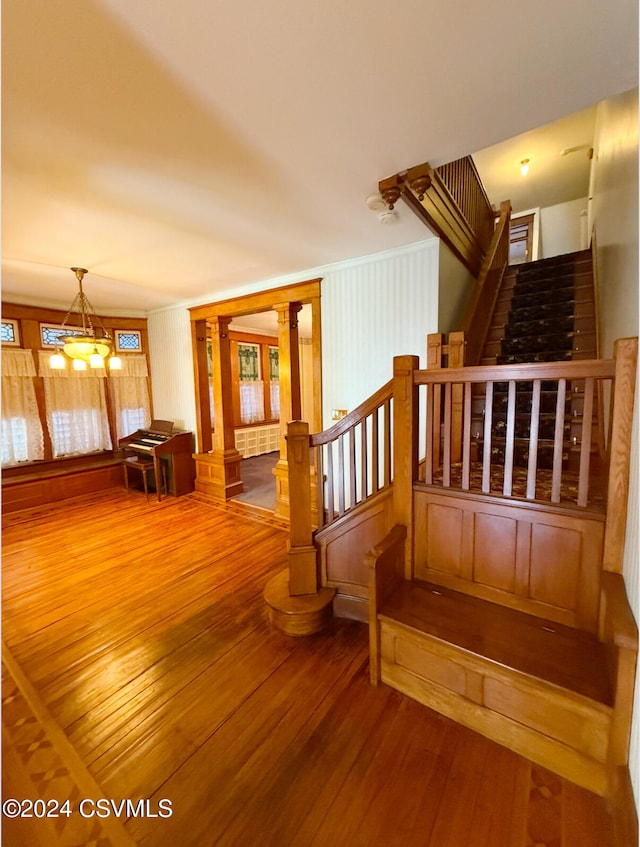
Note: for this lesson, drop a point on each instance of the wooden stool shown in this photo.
(145, 466)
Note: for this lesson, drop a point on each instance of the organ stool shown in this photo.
(145, 466)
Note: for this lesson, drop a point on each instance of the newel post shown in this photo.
(405, 447)
(303, 570)
(621, 423)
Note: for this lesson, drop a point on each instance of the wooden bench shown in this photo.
(558, 695)
(38, 484)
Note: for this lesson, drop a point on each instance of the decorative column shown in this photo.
(218, 472)
(290, 398)
(201, 381)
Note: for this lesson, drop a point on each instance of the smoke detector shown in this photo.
(376, 203)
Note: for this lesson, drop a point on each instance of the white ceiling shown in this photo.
(184, 150)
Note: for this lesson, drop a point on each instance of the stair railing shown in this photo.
(352, 459)
(490, 459)
(375, 448)
(452, 202)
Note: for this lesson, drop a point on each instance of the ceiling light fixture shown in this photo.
(524, 167)
(84, 345)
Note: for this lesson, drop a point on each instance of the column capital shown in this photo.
(220, 325)
(287, 313)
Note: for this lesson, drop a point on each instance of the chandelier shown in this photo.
(83, 344)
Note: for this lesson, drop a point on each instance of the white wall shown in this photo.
(561, 228)
(372, 310)
(172, 380)
(614, 213)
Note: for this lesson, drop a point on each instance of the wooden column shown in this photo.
(290, 397)
(405, 448)
(201, 378)
(218, 472)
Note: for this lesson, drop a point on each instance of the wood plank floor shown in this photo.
(139, 665)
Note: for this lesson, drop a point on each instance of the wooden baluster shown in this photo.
(533, 440)
(330, 494)
(364, 457)
(585, 446)
(455, 359)
(446, 450)
(434, 362)
(466, 438)
(509, 452)
(352, 466)
(320, 487)
(486, 453)
(556, 475)
(375, 453)
(428, 472)
(341, 480)
(387, 443)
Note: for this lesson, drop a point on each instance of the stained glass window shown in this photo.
(249, 362)
(10, 332)
(129, 341)
(274, 363)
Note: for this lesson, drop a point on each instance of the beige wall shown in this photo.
(454, 289)
(561, 228)
(614, 217)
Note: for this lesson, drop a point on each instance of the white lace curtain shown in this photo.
(22, 439)
(251, 401)
(76, 408)
(130, 395)
(274, 388)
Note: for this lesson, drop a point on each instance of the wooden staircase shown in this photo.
(545, 312)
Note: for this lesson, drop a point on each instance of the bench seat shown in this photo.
(557, 695)
(537, 648)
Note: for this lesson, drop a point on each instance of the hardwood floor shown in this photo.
(139, 664)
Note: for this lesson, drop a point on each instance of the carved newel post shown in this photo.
(296, 603)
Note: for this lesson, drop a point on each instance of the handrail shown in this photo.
(574, 369)
(452, 202)
(480, 310)
(353, 417)
(353, 458)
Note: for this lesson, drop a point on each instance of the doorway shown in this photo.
(218, 460)
(256, 407)
(521, 240)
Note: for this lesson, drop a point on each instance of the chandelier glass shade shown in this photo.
(84, 344)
